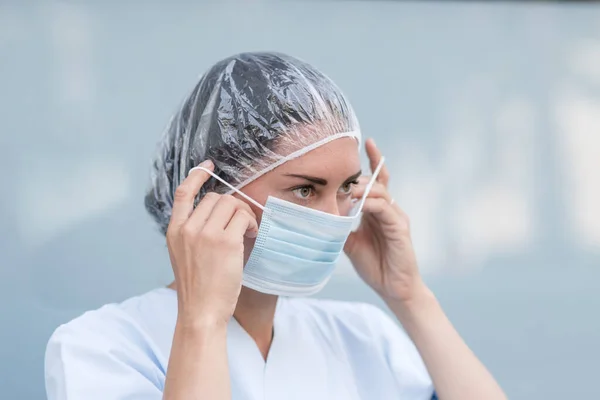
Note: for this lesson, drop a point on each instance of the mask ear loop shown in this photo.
(244, 195)
(370, 185)
(257, 204)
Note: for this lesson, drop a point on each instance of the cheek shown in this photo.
(345, 206)
(258, 212)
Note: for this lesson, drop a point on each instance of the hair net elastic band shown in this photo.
(296, 154)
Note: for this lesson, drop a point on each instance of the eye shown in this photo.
(304, 192)
(346, 188)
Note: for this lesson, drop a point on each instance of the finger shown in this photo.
(377, 191)
(242, 223)
(397, 208)
(203, 210)
(381, 209)
(186, 192)
(374, 157)
(387, 214)
(224, 210)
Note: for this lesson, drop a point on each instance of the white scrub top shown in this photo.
(321, 349)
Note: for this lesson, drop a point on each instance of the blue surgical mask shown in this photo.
(297, 247)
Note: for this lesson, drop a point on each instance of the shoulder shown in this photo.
(117, 321)
(114, 339)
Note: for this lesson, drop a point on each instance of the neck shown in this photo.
(255, 313)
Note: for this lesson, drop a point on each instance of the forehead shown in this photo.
(340, 156)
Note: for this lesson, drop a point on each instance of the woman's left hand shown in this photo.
(383, 255)
(381, 249)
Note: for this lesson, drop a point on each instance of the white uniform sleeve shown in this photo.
(401, 355)
(105, 358)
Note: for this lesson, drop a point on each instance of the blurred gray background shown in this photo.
(489, 116)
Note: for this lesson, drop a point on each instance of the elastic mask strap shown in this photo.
(370, 184)
(244, 195)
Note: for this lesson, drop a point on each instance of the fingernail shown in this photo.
(206, 164)
(251, 234)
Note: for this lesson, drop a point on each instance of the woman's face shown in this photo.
(321, 179)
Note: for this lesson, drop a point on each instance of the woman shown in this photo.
(257, 186)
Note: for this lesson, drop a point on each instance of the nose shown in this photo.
(330, 205)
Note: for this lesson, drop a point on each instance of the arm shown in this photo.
(206, 248)
(456, 372)
(198, 363)
(382, 253)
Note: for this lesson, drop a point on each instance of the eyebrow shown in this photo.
(321, 181)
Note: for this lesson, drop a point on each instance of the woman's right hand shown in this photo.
(206, 247)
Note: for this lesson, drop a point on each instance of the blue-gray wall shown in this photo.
(489, 116)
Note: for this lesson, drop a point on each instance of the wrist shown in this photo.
(202, 313)
(418, 301)
(201, 321)
(196, 336)
(407, 292)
